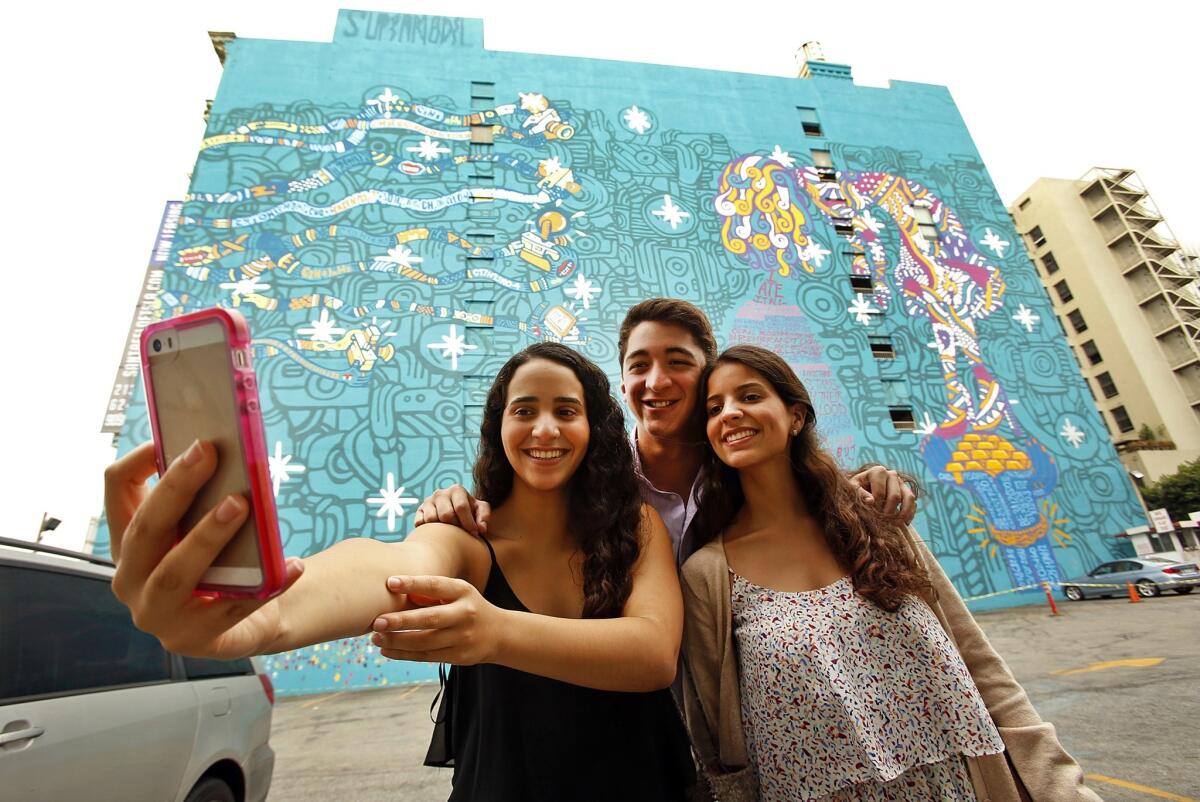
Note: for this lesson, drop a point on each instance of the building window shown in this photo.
(1050, 263)
(482, 134)
(925, 223)
(1064, 291)
(903, 420)
(843, 227)
(1121, 417)
(1023, 205)
(882, 348)
(1092, 352)
(861, 283)
(1037, 237)
(483, 93)
(1160, 542)
(809, 121)
(823, 163)
(1107, 385)
(1077, 321)
(1187, 538)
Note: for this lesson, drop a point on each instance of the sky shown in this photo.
(104, 113)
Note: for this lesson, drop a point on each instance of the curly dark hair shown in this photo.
(868, 543)
(604, 498)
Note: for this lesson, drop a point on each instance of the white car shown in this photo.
(92, 708)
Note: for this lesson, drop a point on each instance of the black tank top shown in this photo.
(511, 736)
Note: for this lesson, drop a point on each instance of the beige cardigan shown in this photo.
(1034, 767)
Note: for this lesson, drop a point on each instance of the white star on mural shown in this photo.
(637, 120)
(452, 346)
(1026, 317)
(245, 286)
(992, 240)
(583, 291)
(323, 329)
(281, 467)
(1071, 433)
(428, 149)
(862, 310)
(670, 213)
(815, 253)
(400, 255)
(783, 157)
(550, 165)
(391, 500)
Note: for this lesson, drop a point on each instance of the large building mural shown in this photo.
(399, 210)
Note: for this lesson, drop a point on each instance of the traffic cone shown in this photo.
(1134, 596)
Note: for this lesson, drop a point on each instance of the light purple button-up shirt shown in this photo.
(676, 513)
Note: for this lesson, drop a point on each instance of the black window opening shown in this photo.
(860, 283)
(1050, 263)
(481, 237)
(1107, 385)
(1092, 352)
(1037, 237)
(902, 419)
(809, 122)
(64, 633)
(1077, 321)
(882, 348)
(843, 227)
(1122, 419)
(1023, 205)
(1064, 291)
(899, 402)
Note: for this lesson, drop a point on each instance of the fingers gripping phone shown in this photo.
(200, 386)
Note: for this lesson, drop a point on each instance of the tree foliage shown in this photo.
(1178, 492)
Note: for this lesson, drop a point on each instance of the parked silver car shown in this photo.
(1150, 576)
(92, 708)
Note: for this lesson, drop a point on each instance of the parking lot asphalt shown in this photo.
(1120, 681)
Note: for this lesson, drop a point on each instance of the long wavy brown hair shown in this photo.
(604, 499)
(870, 545)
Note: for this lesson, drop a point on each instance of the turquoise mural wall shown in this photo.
(399, 210)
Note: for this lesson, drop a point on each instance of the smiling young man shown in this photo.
(664, 345)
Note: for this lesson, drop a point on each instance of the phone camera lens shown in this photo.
(157, 346)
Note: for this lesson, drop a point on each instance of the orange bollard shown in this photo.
(1050, 598)
(1134, 596)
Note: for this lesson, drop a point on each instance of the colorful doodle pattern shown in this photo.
(392, 252)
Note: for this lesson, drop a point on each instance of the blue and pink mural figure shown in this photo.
(937, 275)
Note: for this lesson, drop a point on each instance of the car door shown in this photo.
(1124, 572)
(1101, 574)
(104, 721)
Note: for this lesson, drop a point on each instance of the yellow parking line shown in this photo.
(1136, 662)
(1145, 789)
(408, 693)
(319, 699)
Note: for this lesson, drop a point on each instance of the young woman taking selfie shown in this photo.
(563, 625)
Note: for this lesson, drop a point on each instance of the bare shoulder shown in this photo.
(652, 529)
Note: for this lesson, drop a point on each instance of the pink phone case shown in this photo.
(253, 441)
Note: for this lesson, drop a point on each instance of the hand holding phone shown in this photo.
(200, 386)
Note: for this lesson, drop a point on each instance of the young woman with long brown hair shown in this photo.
(827, 656)
(563, 624)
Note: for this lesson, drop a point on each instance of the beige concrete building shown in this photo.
(1126, 297)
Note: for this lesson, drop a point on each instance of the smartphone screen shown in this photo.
(194, 399)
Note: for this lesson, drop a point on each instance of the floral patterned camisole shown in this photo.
(844, 701)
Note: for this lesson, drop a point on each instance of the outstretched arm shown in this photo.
(636, 652)
(336, 593)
